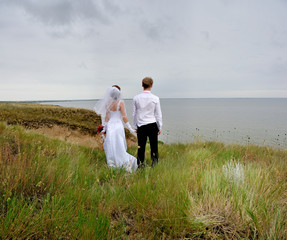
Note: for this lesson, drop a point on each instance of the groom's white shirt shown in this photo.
(146, 110)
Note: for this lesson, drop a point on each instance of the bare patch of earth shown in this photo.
(75, 136)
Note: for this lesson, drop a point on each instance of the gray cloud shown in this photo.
(200, 48)
(64, 12)
(58, 13)
(156, 30)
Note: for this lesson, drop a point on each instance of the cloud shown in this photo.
(156, 30)
(64, 12)
(190, 48)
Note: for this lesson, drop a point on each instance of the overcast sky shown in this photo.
(75, 49)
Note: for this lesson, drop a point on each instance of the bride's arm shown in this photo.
(107, 116)
(124, 115)
(123, 112)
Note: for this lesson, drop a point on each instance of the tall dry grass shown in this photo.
(54, 190)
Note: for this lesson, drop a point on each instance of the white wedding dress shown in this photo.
(115, 144)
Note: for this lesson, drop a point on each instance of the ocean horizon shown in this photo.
(96, 99)
(259, 121)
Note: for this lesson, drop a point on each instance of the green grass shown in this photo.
(34, 116)
(31, 115)
(50, 189)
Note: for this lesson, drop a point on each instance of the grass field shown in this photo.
(33, 116)
(52, 189)
(70, 124)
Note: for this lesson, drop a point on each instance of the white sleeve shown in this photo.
(134, 114)
(158, 115)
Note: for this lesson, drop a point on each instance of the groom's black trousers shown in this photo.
(147, 131)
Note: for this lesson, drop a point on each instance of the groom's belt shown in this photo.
(148, 124)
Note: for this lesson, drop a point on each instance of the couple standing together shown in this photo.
(147, 122)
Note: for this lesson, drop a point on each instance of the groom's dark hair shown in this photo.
(147, 82)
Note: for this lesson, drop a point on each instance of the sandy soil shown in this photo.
(74, 136)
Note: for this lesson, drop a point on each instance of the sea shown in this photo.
(245, 121)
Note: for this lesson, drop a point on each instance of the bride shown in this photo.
(113, 114)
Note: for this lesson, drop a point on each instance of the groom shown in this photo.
(147, 119)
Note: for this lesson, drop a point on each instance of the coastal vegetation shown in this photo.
(70, 124)
(53, 188)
